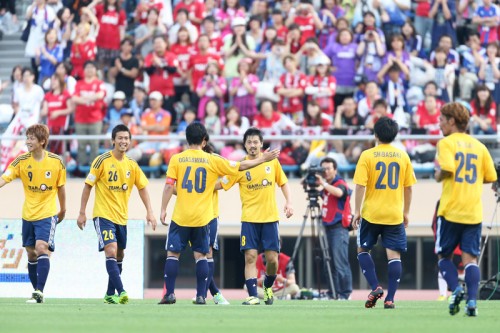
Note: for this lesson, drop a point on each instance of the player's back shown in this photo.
(385, 171)
(196, 173)
(471, 165)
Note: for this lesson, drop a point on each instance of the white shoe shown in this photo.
(37, 295)
(31, 301)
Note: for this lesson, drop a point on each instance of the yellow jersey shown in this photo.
(471, 165)
(41, 181)
(114, 180)
(385, 171)
(196, 173)
(258, 191)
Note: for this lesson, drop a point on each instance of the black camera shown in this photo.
(311, 181)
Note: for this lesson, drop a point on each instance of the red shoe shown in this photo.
(373, 297)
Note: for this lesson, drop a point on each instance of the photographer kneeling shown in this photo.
(336, 219)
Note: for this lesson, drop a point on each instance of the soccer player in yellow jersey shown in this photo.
(114, 174)
(383, 177)
(194, 174)
(463, 165)
(43, 176)
(259, 220)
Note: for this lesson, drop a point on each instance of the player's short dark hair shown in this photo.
(196, 133)
(120, 128)
(329, 160)
(253, 131)
(386, 129)
(40, 132)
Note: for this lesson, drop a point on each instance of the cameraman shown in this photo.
(335, 193)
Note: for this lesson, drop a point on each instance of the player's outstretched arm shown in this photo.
(150, 217)
(61, 195)
(82, 218)
(288, 201)
(168, 191)
(267, 156)
(407, 204)
(360, 194)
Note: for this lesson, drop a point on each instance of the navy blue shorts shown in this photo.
(109, 232)
(213, 229)
(255, 234)
(178, 238)
(43, 230)
(393, 236)
(450, 234)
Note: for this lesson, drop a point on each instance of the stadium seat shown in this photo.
(164, 168)
(151, 171)
(290, 169)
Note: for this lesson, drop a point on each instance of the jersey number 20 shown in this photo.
(392, 171)
(200, 180)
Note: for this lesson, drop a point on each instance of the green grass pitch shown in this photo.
(85, 315)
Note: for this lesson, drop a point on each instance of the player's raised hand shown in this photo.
(151, 219)
(81, 221)
(270, 155)
(288, 210)
(355, 221)
(163, 216)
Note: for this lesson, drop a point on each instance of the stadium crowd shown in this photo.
(286, 67)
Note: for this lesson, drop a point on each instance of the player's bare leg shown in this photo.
(251, 277)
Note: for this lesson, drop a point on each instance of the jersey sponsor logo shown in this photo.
(39, 189)
(124, 187)
(48, 174)
(255, 187)
(268, 169)
(118, 188)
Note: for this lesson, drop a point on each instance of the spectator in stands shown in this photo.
(9, 6)
(183, 50)
(270, 121)
(396, 55)
(452, 56)
(328, 15)
(260, 8)
(160, 65)
(293, 39)
(380, 109)
(263, 49)
(63, 70)
(209, 28)
(369, 24)
(182, 20)
(112, 23)
(138, 103)
(279, 24)
(314, 118)
(57, 107)
(236, 124)
(472, 56)
(290, 89)
(125, 68)
(243, 89)
(371, 49)
(465, 11)
(88, 16)
(393, 15)
(146, 32)
(237, 46)
(27, 103)
(63, 26)
(274, 62)
(321, 87)
(211, 9)
(195, 9)
(255, 28)
(142, 10)
(430, 89)
(231, 9)
(188, 116)
(347, 115)
(489, 71)
(285, 285)
(82, 50)
(428, 117)
(395, 94)
(198, 63)
(487, 18)
(365, 105)
(483, 112)
(211, 118)
(212, 86)
(342, 53)
(423, 23)
(363, 7)
(41, 18)
(307, 19)
(48, 55)
(113, 115)
(127, 118)
(308, 55)
(16, 79)
(444, 14)
(155, 120)
(413, 41)
(444, 75)
(89, 111)
(286, 8)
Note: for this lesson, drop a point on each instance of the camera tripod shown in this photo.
(318, 233)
